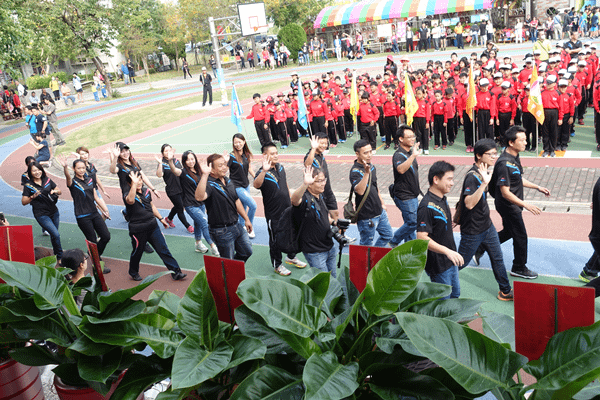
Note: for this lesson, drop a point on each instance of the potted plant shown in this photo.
(43, 308)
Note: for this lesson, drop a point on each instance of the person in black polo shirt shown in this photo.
(406, 184)
(143, 228)
(508, 183)
(311, 214)
(272, 182)
(372, 216)
(223, 206)
(85, 198)
(172, 185)
(476, 227)
(435, 224)
(316, 158)
(592, 267)
(239, 163)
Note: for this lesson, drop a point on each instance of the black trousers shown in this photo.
(504, 123)
(262, 132)
(564, 131)
(518, 117)
(369, 133)
(550, 129)
(282, 133)
(410, 45)
(93, 227)
(596, 125)
(273, 129)
(513, 228)
(157, 241)
(484, 129)
(391, 126)
(177, 209)
(468, 127)
(452, 129)
(439, 130)
(207, 90)
(274, 252)
(291, 128)
(348, 121)
(332, 132)
(530, 125)
(423, 44)
(341, 127)
(420, 127)
(380, 122)
(582, 107)
(318, 125)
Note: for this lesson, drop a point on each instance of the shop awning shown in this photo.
(375, 10)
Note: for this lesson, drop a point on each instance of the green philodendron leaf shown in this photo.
(570, 362)
(46, 329)
(476, 362)
(46, 285)
(395, 277)
(305, 347)
(591, 391)
(326, 379)
(281, 305)
(396, 382)
(85, 345)
(167, 300)
(499, 327)
(141, 375)
(34, 355)
(118, 312)
(99, 368)
(425, 292)
(152, 329)
(457, 310)
(26, 308)
(251, 324)
(107, 298)
(245, 348)
(269, 383)
(392, 335)
(47, 262)
(193, 364)
(197, 312)
(319, 285)
(171, 394)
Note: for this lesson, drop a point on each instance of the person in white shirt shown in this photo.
(518, 31)
(21, 92)
(435, 35)
(337, 44)
(78, 88)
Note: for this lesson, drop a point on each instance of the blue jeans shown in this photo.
(126, 79)
(50, 225)
(408, 231)
(490, 242)
(96, 97)
(367, 228)
(232, 241)
(324, 261)
(67, 98)
(395, 47)
(198, 214)
(324, 55)
(448, 277)
(248, 203)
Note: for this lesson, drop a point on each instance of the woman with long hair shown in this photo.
(85, 198)
(173, 186)
(239, 163)
(83, 154)
(189, 176)
(42, 193)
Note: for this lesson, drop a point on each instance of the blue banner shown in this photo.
(236, 110)
(302, 111)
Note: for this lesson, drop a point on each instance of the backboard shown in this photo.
(253, 19)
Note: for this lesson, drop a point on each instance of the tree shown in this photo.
(302, 12)
(173, 32)
(293, 36)
(13, 38)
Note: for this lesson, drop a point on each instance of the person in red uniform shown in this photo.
(486, 111)
(316, 109)
(440, 122)
(376, 100)
(586, 83)
(551, 116)
(290, 122)
(421, 120)
(369, 115)
(450, 100)
(271, 109)
(338, 114)
(391, 111)
(525, 74)
(529, 121)
(261, 119)
(507, 108)
(331, 121)
(566, 109)
(280, 125)
(465, 119)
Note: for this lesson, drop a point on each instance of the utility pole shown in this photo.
(220, 76)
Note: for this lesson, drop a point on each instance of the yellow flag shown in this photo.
(471, 94)
(410, 102)
(534, 104)
(354, 103)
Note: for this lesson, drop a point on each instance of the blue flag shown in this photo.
(302, 112)
(236, 110)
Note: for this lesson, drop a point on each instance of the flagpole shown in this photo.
(473, 121)
(537, 151)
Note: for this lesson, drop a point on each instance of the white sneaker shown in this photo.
(426, 152)
(252, 235)
(295, 262)
(283, 271)
(201, 248)
(214, 250)
(45, 233)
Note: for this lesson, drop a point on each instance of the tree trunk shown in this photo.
(176, 57)
(145, 62)
(100, 68)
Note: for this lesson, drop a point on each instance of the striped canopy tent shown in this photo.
(375, 10)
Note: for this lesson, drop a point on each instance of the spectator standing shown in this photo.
(423, 36)
(489, 29)
(482, 32)
(458, 30)
(533, 27)
(250, 58)
(239, 163)
(78, 87)
(34, 100)
(435, 35)
(125, 72)
(185, 68)
(337, 44)
(518, 31)
(409, 39)
(131, 70)
(55, 88)
(49, 111)
(206, 81)
(213, 65)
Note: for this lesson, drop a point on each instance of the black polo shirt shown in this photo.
(238, 172)
(434, 217)
(406, 185)
(91, 171)
(275, 193)
(220, 203)
(173, 186)
(39, 123)
(123, 171)
(82, 192)
(314, 237)
(476, 220)
(595, 232)
(573, 46)
(372, 207)
(319, 162)
(43, 204)
(141, 217)
(189, 181)
(508, 172)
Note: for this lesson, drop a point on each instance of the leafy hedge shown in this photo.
(43, 82)
(293, 36)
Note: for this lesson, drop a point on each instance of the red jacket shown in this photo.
(423, 111)
(391, 109)
(566, 105)
(279, 116)
(338, 110)
(523, 102)
(439, 109)
(368, 112)
(485, 101)
(290, 112)
(525, 75)
(259, 113)
(575, 90)
(316, 108)
(507, 104)
(550, 99)
(376, 99)
(450, 107)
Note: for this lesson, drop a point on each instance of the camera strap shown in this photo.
(364, 197)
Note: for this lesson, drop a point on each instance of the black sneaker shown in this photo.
(106, 270)
(510, 296)
(524, 273)
(585, 277)
(177, 276)
(136, 277)
(148, 249)
(477, 257)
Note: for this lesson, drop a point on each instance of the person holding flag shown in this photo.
(302, 111)
(417, 113)
(550, 102)
(468, 103)
(261, 120)
(534, 103)
(236, 110)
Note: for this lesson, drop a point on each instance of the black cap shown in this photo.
(122, 146)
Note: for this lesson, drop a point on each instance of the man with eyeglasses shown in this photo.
(405, 188)
(311, 214)
(473, 215)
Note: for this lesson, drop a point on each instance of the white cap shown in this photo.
(560, 44)
(528, 60)
(553, 60)
(505, 66)
(542, 68)
(483, 82)
(567, 76)
(551, 79)
(593, 46)
(543, 64)
(537, 52)
(491, 64)
(562, 71)
(477, 73)
(515, 70)
(497, 75)
(581, 53)
(588, 51)
(563, 82)
(203, 68)
(294, 73)
(572, 70)
(582, 63)
(505, 85)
